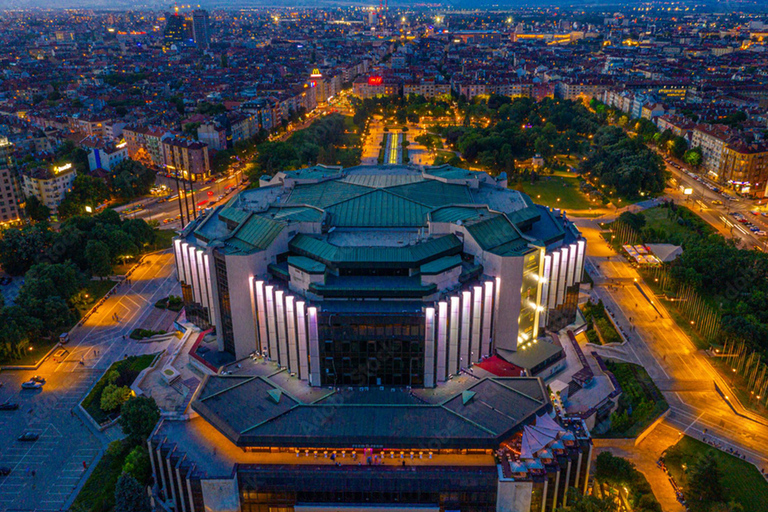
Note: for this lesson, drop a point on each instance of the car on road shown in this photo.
(9, 406)
(5, 471)
(28, 437)
(31, 384)
(717, 202)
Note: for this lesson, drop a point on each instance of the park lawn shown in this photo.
(96, 290)
(33, 353)
(742, 481)
(657, 218)
(98, 493)
(548, 189)
(129, 368)
(163, 239)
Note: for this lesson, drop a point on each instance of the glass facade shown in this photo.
(282, 488)
(371, 350)
(225, 307)
(529, 300)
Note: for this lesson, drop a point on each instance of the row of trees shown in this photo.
(56, 266)
(734, 282)
(326, 141)
(93, 244)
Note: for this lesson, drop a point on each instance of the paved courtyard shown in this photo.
(68, 444)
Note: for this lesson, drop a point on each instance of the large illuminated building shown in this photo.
(324, 269)
(358, 309)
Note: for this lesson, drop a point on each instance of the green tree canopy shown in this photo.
(138, 417)
(130, 495)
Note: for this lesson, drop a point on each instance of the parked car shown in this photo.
(9, 406)
(30, 384)
(28, 437)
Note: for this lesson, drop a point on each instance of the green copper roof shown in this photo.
(382, 180)
(378, 208)
(257, 232)
(441, 265)
(325, 194)
(294, 213)
(307, 265)
(368, 286)
(434, 193)
(233, 214)
(385, 256)
(316, 172)
(455, 213)
(493, 232)
(451, 173)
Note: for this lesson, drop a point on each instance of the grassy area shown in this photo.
(548, 189)
(128, 368)
(741, 480)
(640, 403)
(98, 493)
(163, 239)
(33, 354)
(600, 325)
(95, 291)
(684, 224)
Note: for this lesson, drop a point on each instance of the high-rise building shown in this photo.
(174, 29)
(9, 210)
(201, 28)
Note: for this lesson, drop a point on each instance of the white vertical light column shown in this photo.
(195, 283)
(261, 315)
(179, 261)
(562, 277)
(207, 264)
(293, 349)
(201, 279)
(571, 263)
(453, 338)
(186, 275)
(485, 347)
(553, 278)
(581, 248)
(466, 304)
(477, 321)
(282, 337)
(301, 335)
(541, 309)
(442, 321)
(429, 348)
(314, 349)
(545, 279)
(272, 323)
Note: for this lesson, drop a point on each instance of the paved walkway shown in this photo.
(644, 457)
(66, 440)
(658, 344)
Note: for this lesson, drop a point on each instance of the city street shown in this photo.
(681, 371)
(45, 473)
(717, 215)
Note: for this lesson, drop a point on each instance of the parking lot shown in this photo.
(45, 472)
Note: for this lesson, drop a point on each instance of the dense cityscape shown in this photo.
(379, 257)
